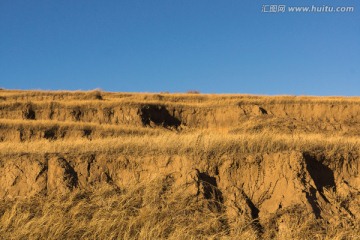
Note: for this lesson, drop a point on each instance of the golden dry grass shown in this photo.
(169, 143)
(213, 100)
(145, 211)
(148, 210)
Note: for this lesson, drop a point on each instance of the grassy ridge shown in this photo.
(153, 209)
(173, 143)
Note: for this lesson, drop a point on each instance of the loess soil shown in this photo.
(102, 165)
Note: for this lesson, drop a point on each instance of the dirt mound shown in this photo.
(267, 183)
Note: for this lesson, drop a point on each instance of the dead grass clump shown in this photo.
(139, 212)
(95, 94)
(297, 223)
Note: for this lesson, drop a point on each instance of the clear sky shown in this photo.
(213, 46)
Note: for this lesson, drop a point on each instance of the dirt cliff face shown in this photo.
(260, 162)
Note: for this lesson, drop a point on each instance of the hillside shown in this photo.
(102, 165)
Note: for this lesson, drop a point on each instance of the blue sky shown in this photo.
(213, 46)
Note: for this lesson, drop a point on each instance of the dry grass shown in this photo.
(106, 129)
(153, 209)
(170, 143)
(145, 211)
(141, 212)
(182, 98)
